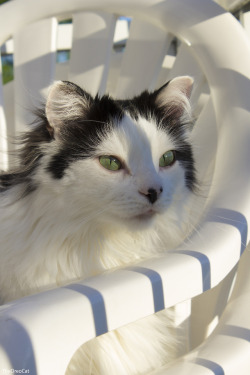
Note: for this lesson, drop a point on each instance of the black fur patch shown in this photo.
(82, 136)
(29, 156)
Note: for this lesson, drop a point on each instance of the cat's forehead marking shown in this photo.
(136, 140)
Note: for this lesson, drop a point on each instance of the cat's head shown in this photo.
(116, 161)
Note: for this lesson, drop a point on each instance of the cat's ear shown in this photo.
(66, 103)
(174, 96)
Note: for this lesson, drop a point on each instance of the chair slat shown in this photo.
(3, 128)
(34, 67)
(205, 134)
(143, 57)
(9, 112)
(93, 35)
(62, 71)
(186, 64)
(114, 72)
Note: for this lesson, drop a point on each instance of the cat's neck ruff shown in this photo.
(69, 248)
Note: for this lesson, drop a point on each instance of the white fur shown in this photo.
(92, 220)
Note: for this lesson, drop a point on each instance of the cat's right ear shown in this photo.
(174, 97)
(66, 103)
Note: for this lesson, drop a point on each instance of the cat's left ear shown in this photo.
(66, 104)
(174, 96)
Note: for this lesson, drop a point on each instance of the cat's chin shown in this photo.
(150, 214)
(142, 221)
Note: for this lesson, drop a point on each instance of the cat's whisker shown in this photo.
(92, 216)
(95, 121)
(194, 230)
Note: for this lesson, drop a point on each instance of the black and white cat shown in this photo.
(101, 183)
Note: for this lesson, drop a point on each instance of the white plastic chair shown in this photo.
(216, 52)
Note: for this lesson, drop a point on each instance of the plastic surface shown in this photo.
(91, 50)
(226, 351)
(31, 333)
(35, 59)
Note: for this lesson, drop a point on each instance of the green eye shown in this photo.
(110, 162)
(167, 159)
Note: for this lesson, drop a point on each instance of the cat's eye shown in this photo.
(167, 159)
(110, 162)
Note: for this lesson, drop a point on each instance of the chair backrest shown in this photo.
(93, 64)
(146, 61)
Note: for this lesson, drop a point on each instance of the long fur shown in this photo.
(64, 216)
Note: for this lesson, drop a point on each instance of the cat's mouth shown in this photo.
(146, 215)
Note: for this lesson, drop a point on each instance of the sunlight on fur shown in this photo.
(101, 183)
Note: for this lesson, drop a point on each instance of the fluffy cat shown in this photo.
(101, 183)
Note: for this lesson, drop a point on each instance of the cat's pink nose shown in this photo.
(152, 194)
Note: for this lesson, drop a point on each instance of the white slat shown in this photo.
(9, 111)
(3, 128)
(64, 36)
(114, 72)
(34, 67)
(143, 57)
(185, 64)
(93, 35)
(62, 71)
(204, 137)
(167, 65)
